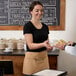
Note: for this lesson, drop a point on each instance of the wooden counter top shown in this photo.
(22, 53)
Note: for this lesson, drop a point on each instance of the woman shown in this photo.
(36, 37)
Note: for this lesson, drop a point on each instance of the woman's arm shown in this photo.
(31, 45)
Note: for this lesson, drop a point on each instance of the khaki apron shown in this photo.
(34, 62)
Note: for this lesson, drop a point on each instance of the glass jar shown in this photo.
(2, 44)
(10, 44)
(20, 44)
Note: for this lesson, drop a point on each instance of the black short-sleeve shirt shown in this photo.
(39, 35)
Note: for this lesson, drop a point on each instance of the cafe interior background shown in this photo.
(69, 34)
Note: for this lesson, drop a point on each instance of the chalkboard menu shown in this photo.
(16, 12)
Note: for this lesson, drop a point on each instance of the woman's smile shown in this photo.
(37, 12)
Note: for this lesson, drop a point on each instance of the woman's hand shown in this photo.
(47, 45)
(61, 46)
(71, 43)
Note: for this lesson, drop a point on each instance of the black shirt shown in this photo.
(39, 35)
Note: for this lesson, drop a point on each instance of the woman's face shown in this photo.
(37, 12)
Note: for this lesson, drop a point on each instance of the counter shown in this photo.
(22, 53)
(18, 56)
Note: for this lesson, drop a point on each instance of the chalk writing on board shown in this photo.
(16, 12)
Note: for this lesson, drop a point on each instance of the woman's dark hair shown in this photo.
(33, 4)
